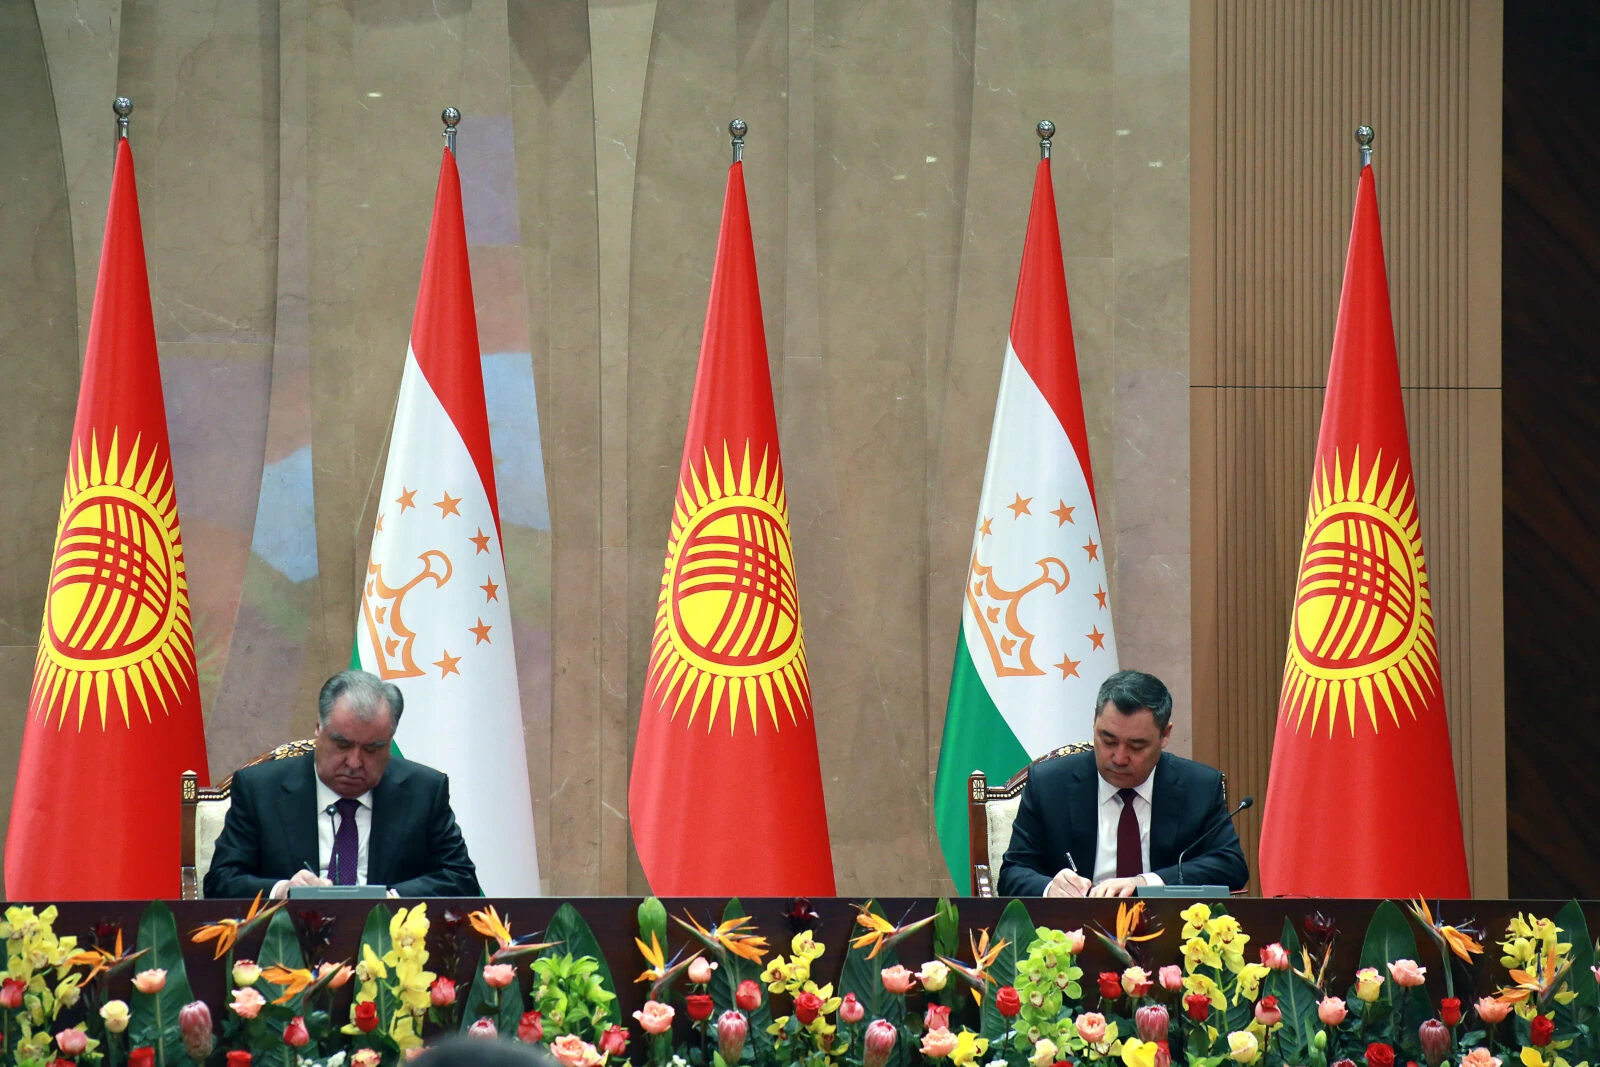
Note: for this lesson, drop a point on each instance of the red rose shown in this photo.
(1110, 984)
(806, 1007)
(748, 995)
(1380, 1056)
(530, 1028)
(1450, 1010)
(699, 1006)
(366, 1018)
(1541, 1030)
(1007, 1002)
(238, 1058)
(11, 991)
(143, 1056)
(1198, 1006)
(613, 1041)
(295, 1035)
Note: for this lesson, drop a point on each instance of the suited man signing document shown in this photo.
(1103, 823)
(348, 814)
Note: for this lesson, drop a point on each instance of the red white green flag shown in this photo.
(114, 712)
(727, 692)
(1362, 735)
(1036, 637)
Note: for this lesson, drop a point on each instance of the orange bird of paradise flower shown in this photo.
(737, 935)
(983, 957)
(661, 973)
(228, 931)
(1538, 986)
(99, 961)
(488, 922)
(1458, 941)
(293, 981)
(1127, 922)
(881, 933)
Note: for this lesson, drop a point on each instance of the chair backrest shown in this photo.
(991, 811)
(203, 810)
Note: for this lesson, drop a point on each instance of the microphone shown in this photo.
(1243, 804)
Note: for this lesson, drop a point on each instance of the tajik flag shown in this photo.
(114, 711)
(1036, 638)
(728, 695)
(1361, 720)
(435, 611)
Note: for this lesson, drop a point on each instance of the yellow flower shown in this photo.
(1243, 1046)
(1368, 982)
(776, 976)
(1198, 952)
(1136, 1053)
(403, 1030)
(1200, 983)
(409, 927)
(969, 1047)
(371, 968)
(806, 947)
(1194, 917)
(1250, 976)
(116, 1015)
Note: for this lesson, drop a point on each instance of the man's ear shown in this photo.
(1166, 735)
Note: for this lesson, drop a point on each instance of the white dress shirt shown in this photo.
(1109, 811)
(328, 825)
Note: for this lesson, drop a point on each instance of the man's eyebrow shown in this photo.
(338, 738)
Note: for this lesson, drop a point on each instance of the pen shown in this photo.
(1071, 866)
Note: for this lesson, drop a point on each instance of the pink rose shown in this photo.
(530, 1028)
(72, 1042)
(1480, 1057)
(1171, 978)
(151, 981)
(1407, 974)
(366, 1057)
(656, 1018)
(732, 1027)
(1492, 1010)
(898, 980)
(442, 993)
(570, 1050)
(879, 1042)
(937, 1017)
(1091, 1027)
(1075, 941)
(936, 1044)
(700, 970)
(1331, 1011)
(1275, 956)
(850, 1010)
(1267, 1012)
(295, 1035)
(484, 1028)
(613, 1042)
(247, 1002)
(499, 975)
(748, 995)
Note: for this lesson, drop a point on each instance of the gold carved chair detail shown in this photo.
(202, 812)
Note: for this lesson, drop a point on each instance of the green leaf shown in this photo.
(1297, 1000)
(1389, 938)
(480, 999)
(1290, 940)
(375, 934)
(653, 920)
(511, 1007)
(946, 928)
(155, 1015)
(1017, 930)
(1580, 979)
(725, 982)
(577, 940)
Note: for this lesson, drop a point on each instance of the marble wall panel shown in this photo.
(292, 150)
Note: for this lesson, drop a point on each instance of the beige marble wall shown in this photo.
(287, 153)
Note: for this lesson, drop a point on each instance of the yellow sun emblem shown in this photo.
(117, 614)
(728, 636)
(1362, 632)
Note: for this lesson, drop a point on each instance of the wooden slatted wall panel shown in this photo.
(1278, 88)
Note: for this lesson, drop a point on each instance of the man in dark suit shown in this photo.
(1103, 823)
(348, 814)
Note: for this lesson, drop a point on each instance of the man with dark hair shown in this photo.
(1103, 823)
(348, 814)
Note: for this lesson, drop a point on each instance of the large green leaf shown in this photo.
(1297, 1000)
(725, 982)
(375, 935)
(480, 1000)
(1016, 929)
(155, 1015)
(653, 921)
(1575, 928)
(864, 978)
(577, 940)
(1389, 938)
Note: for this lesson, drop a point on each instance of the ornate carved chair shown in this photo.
(990, 812)
(203, 810)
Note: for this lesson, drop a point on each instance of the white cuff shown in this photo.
(1152, 878)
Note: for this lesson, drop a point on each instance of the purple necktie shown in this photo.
(346, 844)
(1130, 857)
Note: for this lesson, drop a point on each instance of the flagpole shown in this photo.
(123, 106)
(737, 129)
(1364, 137)
(1046, 130)
(451, 118)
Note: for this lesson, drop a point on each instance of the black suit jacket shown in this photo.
(271, 832)
(1059, 814)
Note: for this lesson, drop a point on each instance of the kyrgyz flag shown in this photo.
(114, 712)
(1036, 638)
(727, 693)
(1362, 740)
(435, 611)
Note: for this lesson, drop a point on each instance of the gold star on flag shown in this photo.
(1063, 514)
(482, 541)
(481, 631)
(405, 499)
(1093, 549)
(1100, 595)
(447, 506)
(447, 666)
(1097, 637)
(1068, 667)
(1019, 507)
(983, 528)
(490, 590)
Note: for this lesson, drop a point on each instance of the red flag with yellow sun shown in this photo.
(727, 698)
(114, 712)
(1362, 740)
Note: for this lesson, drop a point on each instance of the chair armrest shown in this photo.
(980, 874)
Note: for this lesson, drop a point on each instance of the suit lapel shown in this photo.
(300, 801)
(1083, 828)
(1166, 807)
(388, 798)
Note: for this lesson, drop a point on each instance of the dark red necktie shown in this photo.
(1130, 861)
(347, 844)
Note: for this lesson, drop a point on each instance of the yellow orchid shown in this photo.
(1205, 985)
(1198, 952)
(805, 946)
(371, 968)
(969, 1047)
(881, 933)
(737, 935)
(411, 985)
(1194, 917)
(227, 931)
(404, 1031)
(1136, 1053)
(293, 981)
(1249, 984)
